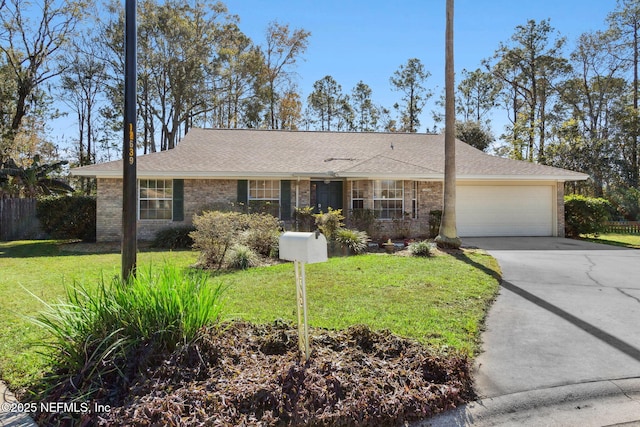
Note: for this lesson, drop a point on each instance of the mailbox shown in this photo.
(304, 247)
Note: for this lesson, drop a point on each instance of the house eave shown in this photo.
(558, 178)
(326, 175)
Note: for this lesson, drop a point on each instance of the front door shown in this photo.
(326, 195)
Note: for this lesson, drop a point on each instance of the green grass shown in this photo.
(440, 300)
(624, 240)
(41, 268)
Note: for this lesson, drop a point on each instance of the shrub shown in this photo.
(262, 233)
(242, 257)
(585, 215)
(68, 217)
(174, 237)
(107, 335)
(363, 219)
(328, 223)
(305, 219)
(435, 217)
(216, 232)
(422, 248)
(401, 228)
(356, 241)
(627, 202)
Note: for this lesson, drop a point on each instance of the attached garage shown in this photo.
(506, 210)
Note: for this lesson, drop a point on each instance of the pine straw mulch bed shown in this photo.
(240, 374)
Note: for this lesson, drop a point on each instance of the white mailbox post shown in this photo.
(302, 248)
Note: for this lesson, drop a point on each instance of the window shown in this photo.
(264, 196)
(155, 198)
(388, 199)
(357, 195)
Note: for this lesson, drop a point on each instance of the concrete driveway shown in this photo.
(562, 339)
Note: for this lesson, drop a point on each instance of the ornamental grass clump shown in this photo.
(109, 334)
(242, 257)
(356, 241)
(423, 248)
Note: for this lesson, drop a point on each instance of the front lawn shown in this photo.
(440, 301)
(42, 268)
(624, 240)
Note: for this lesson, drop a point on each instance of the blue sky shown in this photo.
(354, 40)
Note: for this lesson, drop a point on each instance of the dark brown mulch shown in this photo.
(242, 374)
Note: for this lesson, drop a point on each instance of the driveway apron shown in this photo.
(568, 312)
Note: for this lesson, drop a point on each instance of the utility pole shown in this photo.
(129, 175)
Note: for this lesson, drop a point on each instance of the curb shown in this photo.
(598, 403)
(12, 419)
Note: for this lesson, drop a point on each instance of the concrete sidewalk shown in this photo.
(561, 345)
(8, 418)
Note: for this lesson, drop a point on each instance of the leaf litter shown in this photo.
(242, 374)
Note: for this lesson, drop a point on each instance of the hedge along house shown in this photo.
(397, 176)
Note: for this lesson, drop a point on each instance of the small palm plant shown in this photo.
(33, 180)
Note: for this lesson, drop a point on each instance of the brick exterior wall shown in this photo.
(304, 195)
(109, 210)
(560, 209)
(208, 194)
(199, 194)
(203, 194)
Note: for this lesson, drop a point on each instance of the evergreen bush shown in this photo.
(305, 218)
(174, 237)
(585, 215)
(68, 217)
(328, 223)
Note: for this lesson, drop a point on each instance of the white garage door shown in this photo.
(504, 210)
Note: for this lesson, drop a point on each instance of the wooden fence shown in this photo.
(18, 219)
(622, 227)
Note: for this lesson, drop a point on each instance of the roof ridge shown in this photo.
(315, 131)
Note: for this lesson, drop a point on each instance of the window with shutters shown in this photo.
(264, 196)
(155, 199)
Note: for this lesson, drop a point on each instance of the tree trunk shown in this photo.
(448, 235)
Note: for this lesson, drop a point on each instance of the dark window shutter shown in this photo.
(285, 199)
(243, 191)
(178, 199)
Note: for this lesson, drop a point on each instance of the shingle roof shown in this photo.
(274, 153)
